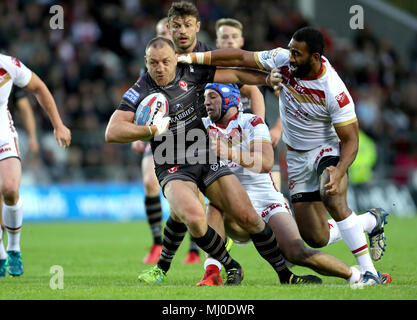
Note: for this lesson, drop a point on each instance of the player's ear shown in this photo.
(198, 24)
(316, 56)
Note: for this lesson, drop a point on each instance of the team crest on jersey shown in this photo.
(16, 61)
(173, 169)
(342, 99)
(183, 85)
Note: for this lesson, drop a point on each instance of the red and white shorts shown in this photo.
(9, 146)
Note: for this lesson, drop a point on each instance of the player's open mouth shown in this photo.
(293, 67)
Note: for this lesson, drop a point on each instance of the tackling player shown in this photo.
(13, 71)
(320, 130)
(242, 139)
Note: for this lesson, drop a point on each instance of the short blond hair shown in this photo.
(228, 22)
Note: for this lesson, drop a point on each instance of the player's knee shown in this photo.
(317, 242)
(250, 221)
(151, 186)
(298, 253)
(196, 223)
(10, 193)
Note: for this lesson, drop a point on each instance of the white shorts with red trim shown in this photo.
(8, 137)
(302, 167)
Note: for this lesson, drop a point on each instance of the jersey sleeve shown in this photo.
(20, 74)
(341, 108)
(270, 59)
(257, 129)
(131, 99)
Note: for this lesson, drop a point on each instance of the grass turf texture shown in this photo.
(102, 261)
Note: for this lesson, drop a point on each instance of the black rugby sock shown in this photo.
(214, 245)
(267, 246)
(174, 233)
(154, 216)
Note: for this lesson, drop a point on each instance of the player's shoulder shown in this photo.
(333, 82)
(9, 61)
(139, 90)
(249, 120)
(273, 58)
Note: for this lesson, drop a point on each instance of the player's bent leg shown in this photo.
(349, 225)
(10, 173)
(184, 200)
(294, 249)
(228, 194)
(153, 207)
(223, 193)
(311, 219)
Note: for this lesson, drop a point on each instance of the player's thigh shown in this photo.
(184, 201)
(286, 231)
(229, 195)
(150, 181)
(311, 218)
(336, 204)
(10, 174)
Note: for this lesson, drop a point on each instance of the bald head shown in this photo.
(161, 60)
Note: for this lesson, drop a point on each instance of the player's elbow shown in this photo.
(109, 135)
(267, 165)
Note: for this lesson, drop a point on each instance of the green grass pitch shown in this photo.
(102, 261)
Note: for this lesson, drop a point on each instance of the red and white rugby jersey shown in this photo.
(241, 131)
(310, 108)
(12, 71)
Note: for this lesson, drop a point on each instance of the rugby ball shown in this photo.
(148, 108)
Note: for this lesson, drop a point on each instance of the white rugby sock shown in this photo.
(210, 261)
(13, 218)
(352, 232)
(367, 220)
(334, 232)
(3, 254)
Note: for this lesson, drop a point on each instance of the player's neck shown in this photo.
(230, 114)
(315, 71)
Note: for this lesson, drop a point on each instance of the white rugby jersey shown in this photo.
(12, 71)
(241, 131)
(310, 108)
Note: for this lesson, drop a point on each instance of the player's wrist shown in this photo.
(152, 130)
(196, 58)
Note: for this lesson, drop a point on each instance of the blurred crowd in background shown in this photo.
(98, 55)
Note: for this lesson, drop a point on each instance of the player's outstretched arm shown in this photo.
(246, 76)
(47, 102)
(222, 57)
(28, 120)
